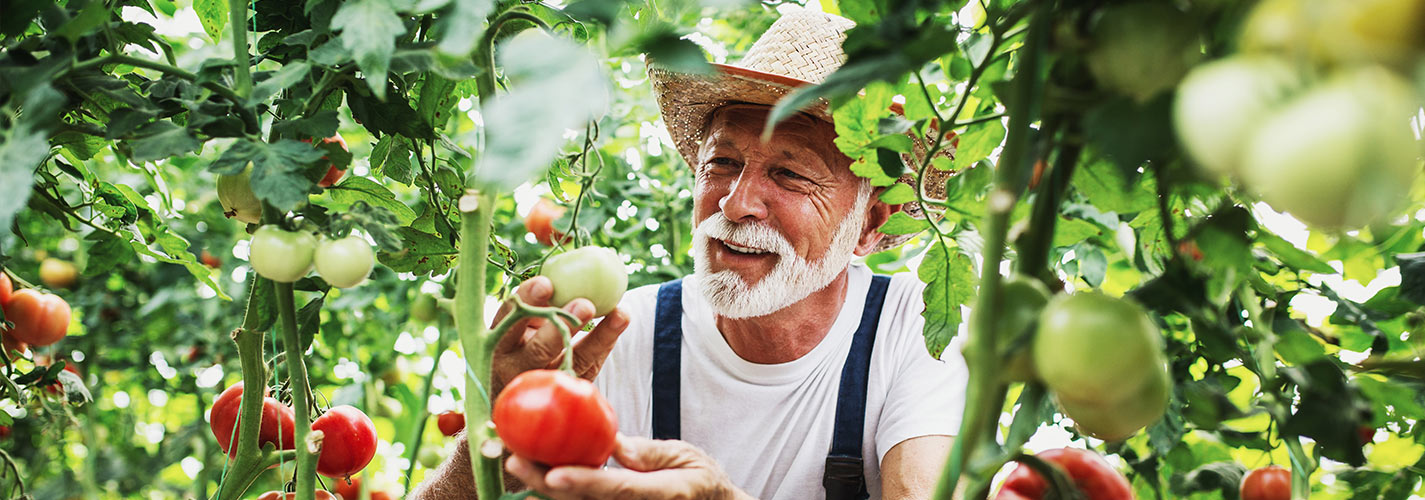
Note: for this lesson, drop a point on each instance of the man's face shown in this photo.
(774, 221)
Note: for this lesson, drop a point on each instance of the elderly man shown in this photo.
(779, 369)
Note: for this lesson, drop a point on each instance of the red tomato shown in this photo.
(1267, 483)
(349, 441)
(450, 423)
(1366, 434)
(333, 174)
(277, 495)
(1093, 476)
(348, 488)
(223, 418)
(540, 222)
(6, 288)
(40, 319)
(11, 344)
(210, 260)
(555, 418)
(4, 431)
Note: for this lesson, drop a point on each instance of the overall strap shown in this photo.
(844, 478)
(667, 360)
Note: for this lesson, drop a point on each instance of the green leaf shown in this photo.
(308, 320)
(391, 158)
(391, 116)
(1129, 133)
(213, 15)
(979, 141)
(421, 253)
(106, 253)
(361, 189)
(555, 85)
(460, 26)
(897, 194)
(950, 283)
(1298, 258)
(90, 17)
(320, 124)
(845, 81)
(276, 81)
(368, 30)
(1108, 189)
(277, 169)
(668, 49)
(900, 223)
(162, 140)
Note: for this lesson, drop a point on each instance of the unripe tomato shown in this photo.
(277, 426)
(430, 457)
(1090, 473)
(236, 196)
(282, 256)
(1118, 420)
(1267, 483)
(1341, 155)
(540, 221)
(1142, 49)
(1384, 31)
(333, 174)
(57, 273)
(349, 441)
(450, 423)
(1220, 104)
(277, 495)
(346, 262)
(554, 418)
(40, 319)
(424, 308)
(7, 288)
(594, 273)
(1092, 347)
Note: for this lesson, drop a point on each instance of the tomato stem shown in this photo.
(237, 20)
(244, 468)
(985, 394)
(301, 397)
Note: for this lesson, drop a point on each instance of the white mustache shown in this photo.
(749, 234)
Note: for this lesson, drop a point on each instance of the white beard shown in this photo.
(792, 279)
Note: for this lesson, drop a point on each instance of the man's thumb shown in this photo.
(646, 455)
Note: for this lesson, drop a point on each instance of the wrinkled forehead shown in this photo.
(748, 119)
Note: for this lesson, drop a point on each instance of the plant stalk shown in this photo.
(301, 392)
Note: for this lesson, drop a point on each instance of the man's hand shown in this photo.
(535, 343)
(655, 470)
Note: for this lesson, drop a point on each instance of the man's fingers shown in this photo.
(594, 348)
(536, 292)
(589, 482)
(547, 338)
(644, 455)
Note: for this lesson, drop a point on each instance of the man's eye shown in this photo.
(792, 175)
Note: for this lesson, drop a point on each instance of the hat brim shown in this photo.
(686, 100)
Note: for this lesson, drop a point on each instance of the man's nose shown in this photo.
(746, 198)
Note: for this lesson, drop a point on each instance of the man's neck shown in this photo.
(790, 333)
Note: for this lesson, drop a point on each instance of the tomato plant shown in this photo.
(333, 172)
(349, 441)
(593, 273)
(40, 318)
(1267, 483)
(1089, 472)
(451, 422)
(283, 256)
(277, 425)
(540, 221)
(556, 419)
(344, 262)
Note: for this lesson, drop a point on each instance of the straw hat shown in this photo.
(800, 48)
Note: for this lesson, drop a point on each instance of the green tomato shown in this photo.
(1340, 156)
(1118, 420)
(346, 262)
(430, 457)
(1092, 347)
(282, 256)
(1220, 104)
(1022, 298)
(424, 308)
(236, 196)
(594, 273)
(1142, 49)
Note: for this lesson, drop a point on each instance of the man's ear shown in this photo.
(877, 213)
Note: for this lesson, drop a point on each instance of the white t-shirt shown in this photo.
(769, 426)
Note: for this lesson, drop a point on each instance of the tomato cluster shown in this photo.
(555, 418)
(278, 424)
(286, 256)
(1314, 115)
